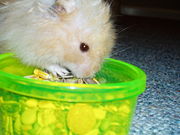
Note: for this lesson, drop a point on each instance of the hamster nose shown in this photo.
(88, 74)
(91, 72)
(84, 74)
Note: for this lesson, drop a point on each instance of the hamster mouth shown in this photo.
(83, 75)
(80, 71)
(77, 74)
(68, 70)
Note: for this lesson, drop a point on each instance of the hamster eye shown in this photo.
(84, 47)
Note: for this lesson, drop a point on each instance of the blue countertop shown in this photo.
(154, 46)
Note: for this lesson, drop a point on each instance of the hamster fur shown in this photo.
(48, 34)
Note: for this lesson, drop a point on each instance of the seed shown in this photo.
(46, 117)
(42, 75)
(31, 103)
(81, 119)
(46, 105)
(99, 113)
(29, 116)
(93, 132)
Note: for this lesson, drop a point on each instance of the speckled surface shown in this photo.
(154, 46)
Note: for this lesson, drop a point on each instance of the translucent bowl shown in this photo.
(33, 107)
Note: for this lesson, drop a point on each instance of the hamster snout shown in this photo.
(58, 34)
(84, 70)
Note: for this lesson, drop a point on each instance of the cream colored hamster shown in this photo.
(58, 34)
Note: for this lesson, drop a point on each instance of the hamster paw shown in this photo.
(65, 6)
(58, 70)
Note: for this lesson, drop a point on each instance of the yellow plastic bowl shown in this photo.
(33, 107)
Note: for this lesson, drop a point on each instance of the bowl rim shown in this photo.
(133, 85)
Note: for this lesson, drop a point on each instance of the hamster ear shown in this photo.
(65, 6)
(96, 2)
(47, 2)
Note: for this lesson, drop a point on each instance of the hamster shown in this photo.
(58, 34)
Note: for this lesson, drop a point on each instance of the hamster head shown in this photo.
(88, 40)
(74, 34)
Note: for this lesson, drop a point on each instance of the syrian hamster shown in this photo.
(58, 34)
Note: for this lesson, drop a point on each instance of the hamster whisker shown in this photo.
(54, 10)
(115, 52)
(124, 29)
(125, 49)
(110, 2)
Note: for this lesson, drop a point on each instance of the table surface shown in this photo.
(154, 46)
